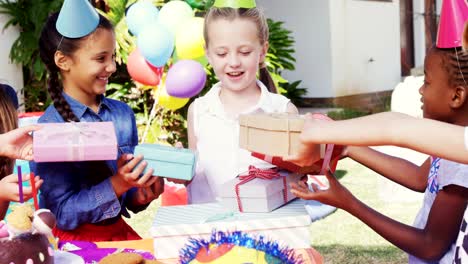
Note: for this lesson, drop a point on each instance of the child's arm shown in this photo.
(393, 168)
(389, 128)
(17, 143)
(429, 243)
(291, 109)
(192, 139)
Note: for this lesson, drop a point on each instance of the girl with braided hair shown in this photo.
(445, 99)
(89, 198)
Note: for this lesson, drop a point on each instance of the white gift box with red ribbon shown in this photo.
(174, 225)
(260, 190)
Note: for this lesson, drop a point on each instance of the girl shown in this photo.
(88, 198)
(444, 96)
(14, 143)
(236, 44)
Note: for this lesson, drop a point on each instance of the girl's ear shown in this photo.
(459, 96)
(62, 61)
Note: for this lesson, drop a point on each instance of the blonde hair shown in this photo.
(257, 17)
(8, 122)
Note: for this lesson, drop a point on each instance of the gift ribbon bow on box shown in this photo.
(265, 174)
(75, 136)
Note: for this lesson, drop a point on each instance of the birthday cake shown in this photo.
(26, 236)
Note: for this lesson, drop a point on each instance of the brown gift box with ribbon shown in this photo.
(258, 190)
(273, 134)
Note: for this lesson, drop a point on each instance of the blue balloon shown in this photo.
(156, 44)
(139, 15)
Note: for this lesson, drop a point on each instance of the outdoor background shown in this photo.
(339, 237)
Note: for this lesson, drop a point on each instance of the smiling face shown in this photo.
(235, 52)
(90, 67)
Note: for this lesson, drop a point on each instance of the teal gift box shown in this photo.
(168, 162)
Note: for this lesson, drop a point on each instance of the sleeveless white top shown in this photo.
(219, 157)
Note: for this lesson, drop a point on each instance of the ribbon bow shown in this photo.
(265, 174)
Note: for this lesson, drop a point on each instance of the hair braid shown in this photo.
(456, 64)
(60, 104)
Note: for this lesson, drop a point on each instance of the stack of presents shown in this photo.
(257, 202)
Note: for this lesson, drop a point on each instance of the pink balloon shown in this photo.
(186, 78)
(141, 71)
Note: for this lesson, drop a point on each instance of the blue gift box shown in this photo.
(168, 162)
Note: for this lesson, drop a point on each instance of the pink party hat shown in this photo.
(453, 16)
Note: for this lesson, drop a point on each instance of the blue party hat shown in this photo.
(77, 19)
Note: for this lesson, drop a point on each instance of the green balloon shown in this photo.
(198, 4)
(235, 3)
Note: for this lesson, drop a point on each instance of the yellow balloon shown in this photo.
(173, 14)
(167, 101)
(189, 40)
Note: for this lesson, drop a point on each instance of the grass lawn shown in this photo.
(340, 237)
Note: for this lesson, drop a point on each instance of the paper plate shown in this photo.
(63, 257)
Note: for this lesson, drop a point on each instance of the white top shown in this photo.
(441, 174)
(219, 157)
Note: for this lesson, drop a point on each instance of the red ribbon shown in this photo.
(265, 174)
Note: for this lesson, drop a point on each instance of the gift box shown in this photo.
(80, 141)
(249, 193)
(167, 161)
(174, 225)
(273, 134)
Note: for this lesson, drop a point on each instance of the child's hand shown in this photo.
(9, 188)
(17, 143)
(154, 188)
(128, 174)
(336, 195)
(307, 147)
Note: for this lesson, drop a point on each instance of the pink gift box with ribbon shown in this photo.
(80, 141)
(259, 190)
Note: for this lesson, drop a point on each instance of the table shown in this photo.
(309, 255)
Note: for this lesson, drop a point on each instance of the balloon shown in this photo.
(200, 4)
(141, 71)
(173, 14)
(156, 44)
(140, 14)
(203, 60)
(189, 39)
(169, 102)
(185, 79)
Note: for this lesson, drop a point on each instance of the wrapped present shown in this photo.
(81, 141)
(273, 134)
(174, 225)
(259, 190)
(167, 161)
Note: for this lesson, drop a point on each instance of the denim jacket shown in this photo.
(81, 192)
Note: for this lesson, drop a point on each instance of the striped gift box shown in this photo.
(174, 225)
